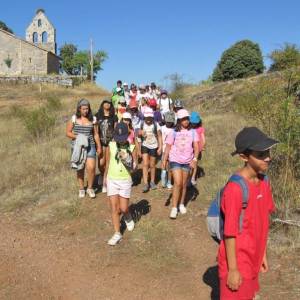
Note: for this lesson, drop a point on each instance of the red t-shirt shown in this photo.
(251, 241)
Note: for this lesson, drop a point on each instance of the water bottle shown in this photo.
(163, 178)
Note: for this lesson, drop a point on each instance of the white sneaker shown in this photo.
(81, 194)
(91, 193)
(129, 225)
(182, 209)
(115, 239)
(104, 189)
(173, 213)
(169, 186)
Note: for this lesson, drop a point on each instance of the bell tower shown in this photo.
(41, 32)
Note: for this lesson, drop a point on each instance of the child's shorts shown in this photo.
(246, 291)
(175, 165)
(151, 152)
(119, 187)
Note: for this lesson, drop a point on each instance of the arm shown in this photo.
(97, 139)
(203, 141)
(69, 131)
(106, 165)
(159, 138)
(166, 156)
(264, 265)
(234, 278)
(193, 163)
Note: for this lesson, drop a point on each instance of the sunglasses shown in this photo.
(261, 154)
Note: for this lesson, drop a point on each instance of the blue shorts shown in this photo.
(91, 151)
(175, 165)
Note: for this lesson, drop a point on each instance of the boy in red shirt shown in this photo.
(242, 252)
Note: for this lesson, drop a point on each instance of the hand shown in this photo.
(141, 133)
(99, 151)
(264, 265)
(193, 164)
(234, 280)
(139, 154)
(163, 165)
(159, 151)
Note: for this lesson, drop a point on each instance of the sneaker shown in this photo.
(193, 181)
(115, 239)
(173, 213)
(104, 189)
(153, 186)
(163, 178)
(182, 209)
(169, 185)
(91, 193)
(81, 194)
(146, 188)
(129, 224)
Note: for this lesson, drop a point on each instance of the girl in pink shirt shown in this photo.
(196, 123)
(182, 150)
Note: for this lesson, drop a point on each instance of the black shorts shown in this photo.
(151, 152)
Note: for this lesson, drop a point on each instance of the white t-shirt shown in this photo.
(140, 96)
(164, 105)
(150, 138)
(165, 131)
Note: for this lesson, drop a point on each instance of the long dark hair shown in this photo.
(90, 114)
(178, 126)
(100, 113)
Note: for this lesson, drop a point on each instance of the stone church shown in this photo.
(36, 55)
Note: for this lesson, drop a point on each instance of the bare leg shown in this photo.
(90, 168)
(114, 202)
(185, 176)
(145, 168)
(80, 178)
(152, 168)
(177, 188)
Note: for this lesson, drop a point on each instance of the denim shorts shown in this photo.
(91, 151)
(184, 167)
(151, 152)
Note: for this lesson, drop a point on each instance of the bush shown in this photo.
(241, 60)
(286, 57)
(53, 103)
(271, 105)
(39, 123)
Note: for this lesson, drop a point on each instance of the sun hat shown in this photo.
(178, 103)
(169, 117)
(148, 113)
(182, 113)
(164, 92)
(251, 138)
(121, 132)
(152, 103)
(83, 102)
(195, 117)
(126, 115)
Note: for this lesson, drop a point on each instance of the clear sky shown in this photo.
(147, 40)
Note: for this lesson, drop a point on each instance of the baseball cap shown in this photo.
(195, 117)
(148, 113)
(121, 132)
(152, 103)
(164, 92)
(169, 117)
(251, 138)
(125, 84)
(178, 103)
(142, 87)
(182, 113)
(126, 115)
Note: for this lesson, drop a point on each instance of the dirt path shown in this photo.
(71, 260)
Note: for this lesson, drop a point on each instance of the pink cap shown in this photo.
(148, 112)
(182, 113)
(126, 115)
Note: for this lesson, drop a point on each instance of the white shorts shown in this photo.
(119, 187)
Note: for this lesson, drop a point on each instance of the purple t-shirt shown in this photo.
(182, 150)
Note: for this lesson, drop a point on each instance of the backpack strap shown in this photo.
(73, 119)
(245, 195)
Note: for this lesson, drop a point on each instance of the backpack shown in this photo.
(169, 101)
(154, 128)
(215, 217)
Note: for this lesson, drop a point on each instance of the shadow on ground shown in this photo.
(210, 277)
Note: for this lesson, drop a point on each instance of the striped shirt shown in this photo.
(87, 130)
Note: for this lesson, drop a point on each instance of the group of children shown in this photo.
(145, 124)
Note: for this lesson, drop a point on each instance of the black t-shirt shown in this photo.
(106, 128)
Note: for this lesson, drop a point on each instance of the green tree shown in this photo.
(78, 62)
(241, 60)
(4, 27)
(286, 57)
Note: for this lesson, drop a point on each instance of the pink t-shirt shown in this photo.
(182, 150)
(200, 131)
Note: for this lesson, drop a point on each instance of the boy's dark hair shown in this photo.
(119, 82)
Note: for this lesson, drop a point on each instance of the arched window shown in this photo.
(44, 37)
(39, 22)
(35, 37)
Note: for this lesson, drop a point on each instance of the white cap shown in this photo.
(126, 115)
(125, 84)
(148, 112)
(142, 87)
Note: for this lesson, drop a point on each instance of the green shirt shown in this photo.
(117, 170)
